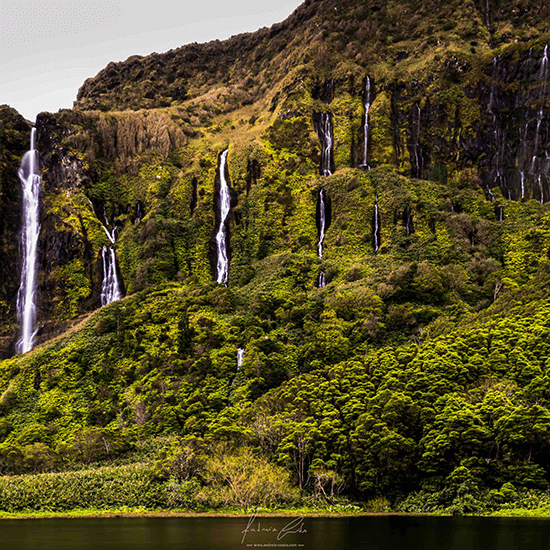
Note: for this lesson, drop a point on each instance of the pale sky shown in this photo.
(48, 48)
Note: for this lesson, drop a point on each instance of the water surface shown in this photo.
(369, 533)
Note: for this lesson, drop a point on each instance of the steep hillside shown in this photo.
(388, 244)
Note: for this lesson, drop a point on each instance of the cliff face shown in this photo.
(14, 141)
(457, 98)
(424, 128)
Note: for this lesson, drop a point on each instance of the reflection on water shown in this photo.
(370, 533)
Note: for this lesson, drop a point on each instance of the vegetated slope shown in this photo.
(377, 385)
(466, 409)
(320, 34)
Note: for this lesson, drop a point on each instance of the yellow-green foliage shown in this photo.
(381, 130)
(74, 284)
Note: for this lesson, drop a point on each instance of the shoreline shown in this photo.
(79, 514)
(111, 514)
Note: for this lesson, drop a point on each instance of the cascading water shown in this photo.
(322, 222)
(110, 287)
(321, 283)
(221, 235)
(26, 297)
(544, 77)
(499, 135)
(240, 357)
(366, 125)
(376, 232)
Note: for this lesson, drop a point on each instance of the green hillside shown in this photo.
(415, 379)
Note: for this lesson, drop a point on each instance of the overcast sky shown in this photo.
(48, 48)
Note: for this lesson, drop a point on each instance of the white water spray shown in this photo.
(26, 297)
(110, 287)
(225, 205)
(366, 125)
(544, 77)
(240, 357)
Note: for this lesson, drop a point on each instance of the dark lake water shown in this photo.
(387, 533)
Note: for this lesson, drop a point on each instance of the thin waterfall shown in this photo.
(376, 232)
(544, 78)
(240, 357)
(26, 297)
(543, 75)
(498, 133)
(321, 283)
(110, 287)
(221, 235)
(366, 124)
(322, 222)
(416, 152)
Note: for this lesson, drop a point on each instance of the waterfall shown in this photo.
(221, 241)
(376, 232)
(26, 297)
(366, 125)
(498, 133)
(110, 287)
(543, 75)
(240, 356)
(322, 222)
(321, 283)
(417, 154)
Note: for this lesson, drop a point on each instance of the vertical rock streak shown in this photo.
(376, 232)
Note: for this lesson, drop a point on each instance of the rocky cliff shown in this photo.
(457, 96)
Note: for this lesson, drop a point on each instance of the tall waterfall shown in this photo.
(376, 232)
(221, 235)
(322, 222)
(110, 287)
(26, 298)
(240, 357)
(321, 283)
(544, 77)
(499, 138)
(366, 125)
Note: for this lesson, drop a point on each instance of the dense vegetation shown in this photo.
(416, 379)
